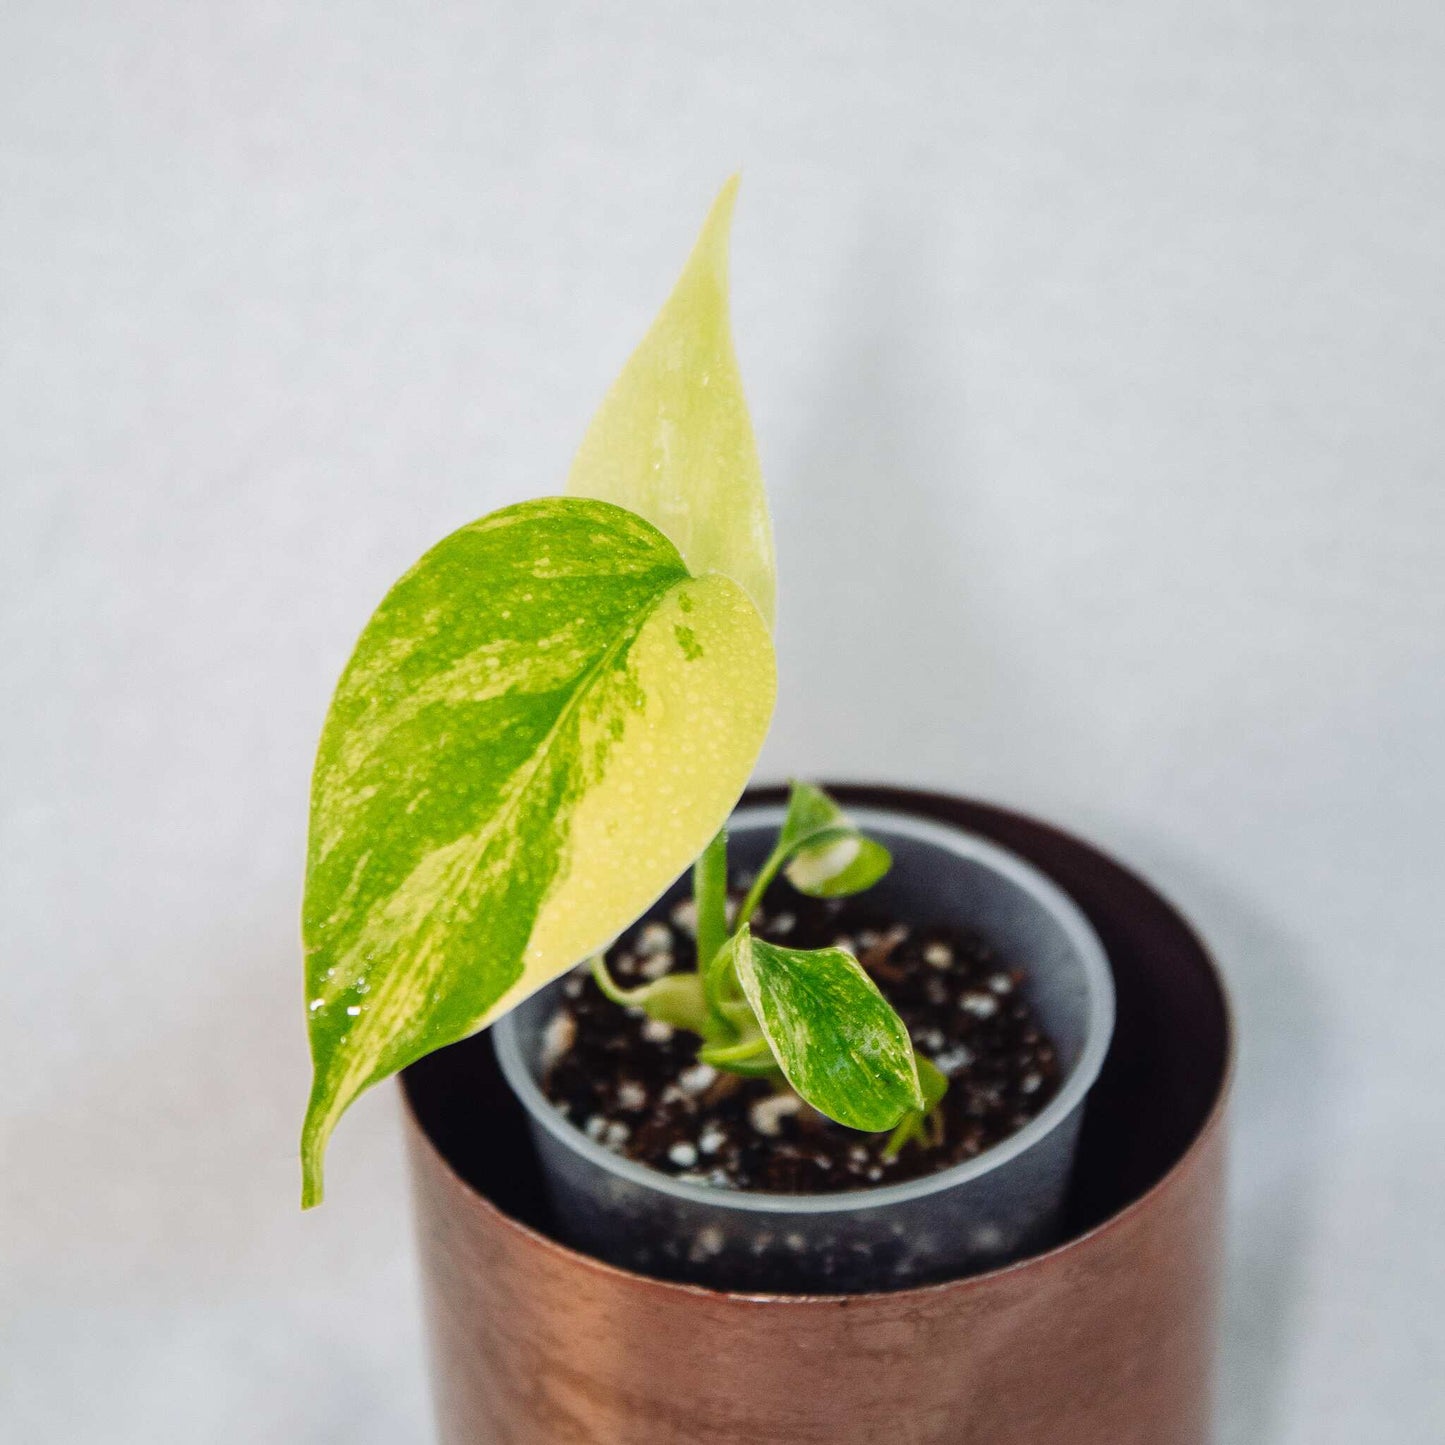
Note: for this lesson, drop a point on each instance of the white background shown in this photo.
(1096, 358)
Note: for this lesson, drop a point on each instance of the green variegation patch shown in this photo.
(836, 1038)
(541, 726)
(673, 441)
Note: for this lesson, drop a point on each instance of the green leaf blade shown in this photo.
(522, 753)
(838, 1041)
(811, 815)
(673, 441)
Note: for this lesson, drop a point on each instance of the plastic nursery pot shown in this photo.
(1106, 1338)
(976, 1215)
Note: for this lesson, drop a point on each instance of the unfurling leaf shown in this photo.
(673, 442)
(844, 866)
(543, 724)
(836, 1038)
(829, 857)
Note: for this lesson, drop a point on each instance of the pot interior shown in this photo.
(939, 876)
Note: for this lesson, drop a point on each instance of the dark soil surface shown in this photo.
(636, 1086)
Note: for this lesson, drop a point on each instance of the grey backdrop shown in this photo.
(1096, 359)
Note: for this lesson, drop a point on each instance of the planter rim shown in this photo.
(962, 843)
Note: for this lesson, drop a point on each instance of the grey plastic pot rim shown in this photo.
(1022, 875)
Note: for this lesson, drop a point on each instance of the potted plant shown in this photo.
(846, 1057)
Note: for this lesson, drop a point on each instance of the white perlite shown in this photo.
(954, 1059)
(558, 1037)
(980, 1005)
(938, 955)
(684, 916)
(654, 938)
(697, 1078)
(631, 1094)
(767, 1115)
(712, 1139)
(654, 965)
(684, 1155)
(656, 1032)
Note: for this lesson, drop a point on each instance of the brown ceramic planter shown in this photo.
(1105, 1340)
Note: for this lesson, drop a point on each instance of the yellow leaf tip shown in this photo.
(714, 239)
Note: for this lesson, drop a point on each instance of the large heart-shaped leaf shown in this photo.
(836, 1038)
(673, 442)
(542, 725)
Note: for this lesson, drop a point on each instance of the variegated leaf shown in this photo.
(840, 867)
(542, 725)
(828, 856)
(836, 1038)
(673, 441)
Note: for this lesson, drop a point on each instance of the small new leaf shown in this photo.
(835, 869)
(830, 858)
(836, 1038)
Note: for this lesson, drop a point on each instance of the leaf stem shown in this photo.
(610, 988)
(753, 901)
(710, 893)
(723, 1055)
(710, 896)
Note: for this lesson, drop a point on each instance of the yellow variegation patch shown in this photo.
(673, 441)
(651, 812)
